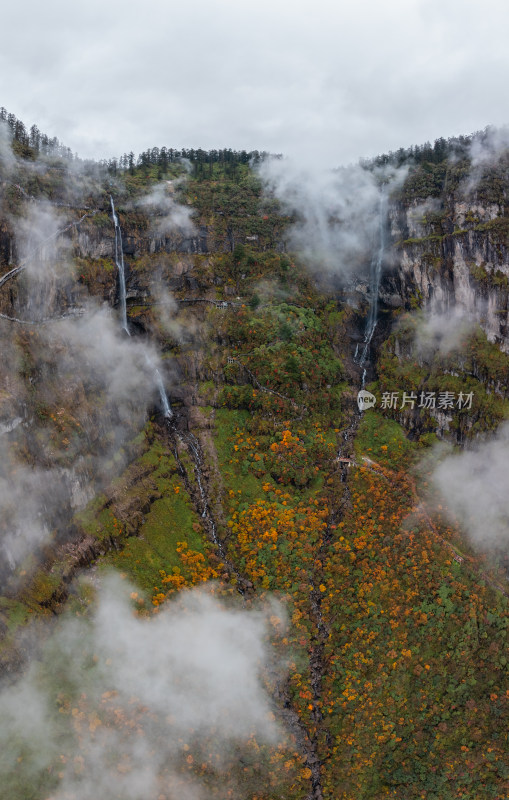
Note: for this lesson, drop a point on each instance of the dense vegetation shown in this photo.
(397, 643)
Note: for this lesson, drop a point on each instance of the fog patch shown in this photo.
(442, 333)
(81, 385)
(143, 707)
(7, 157)
(475, 487)
(487, 150)
(336, 213)
(169, 216)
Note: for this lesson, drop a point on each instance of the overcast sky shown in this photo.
(338, 79)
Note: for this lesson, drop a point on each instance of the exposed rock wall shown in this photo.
(91, 241)
(456, 257)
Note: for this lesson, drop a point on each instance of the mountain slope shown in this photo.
(265, 480)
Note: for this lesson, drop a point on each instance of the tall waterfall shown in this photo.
(375, 275)
(119, 261)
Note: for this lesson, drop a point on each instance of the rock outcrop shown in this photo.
(456, 257)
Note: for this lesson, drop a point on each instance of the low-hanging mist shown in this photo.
(90, 384)
(122, 705)
(168, 215)
(475, 487)
(335, 211)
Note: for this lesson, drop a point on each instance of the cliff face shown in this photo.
(453, 257)
(93, 242)
(89, 240)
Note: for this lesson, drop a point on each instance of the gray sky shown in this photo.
(335, 79)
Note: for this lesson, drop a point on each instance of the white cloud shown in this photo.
(140, 696)
(443, 332)
(167, 215)
(336, 213)
(475, 488)
(104, 380)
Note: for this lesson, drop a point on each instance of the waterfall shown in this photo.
(165, 403)
(119, 261)
(158, 379)
(375, 275)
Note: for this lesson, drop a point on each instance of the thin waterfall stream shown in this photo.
(165, 403)
(375, 274)
(119, 261)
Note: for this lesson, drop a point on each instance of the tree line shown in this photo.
(32, 143)
(455, 148)
(201, 161)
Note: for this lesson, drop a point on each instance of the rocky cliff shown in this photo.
(451, 254)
